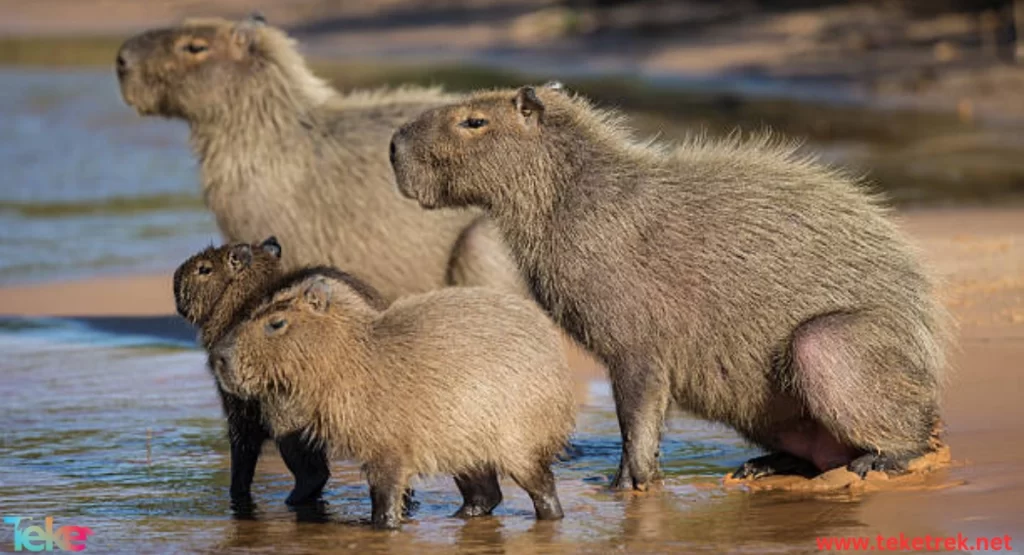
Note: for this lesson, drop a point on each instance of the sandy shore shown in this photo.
(980, 255)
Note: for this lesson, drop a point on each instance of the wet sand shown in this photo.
(978, 252)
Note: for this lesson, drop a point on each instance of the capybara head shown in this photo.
(202, 281)
(203, 66)
(293, 333)
(487, 147)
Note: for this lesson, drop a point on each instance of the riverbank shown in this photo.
(885, 53)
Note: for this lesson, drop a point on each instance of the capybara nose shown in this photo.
(123, 63)
(391, 152)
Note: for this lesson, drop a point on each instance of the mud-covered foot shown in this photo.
(881, 462)
(774, 463)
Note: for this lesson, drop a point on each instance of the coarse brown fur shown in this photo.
(283, 153)
(464, 381)
(755, 287)
(215, 289)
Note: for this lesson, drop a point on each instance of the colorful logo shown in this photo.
(45, 538)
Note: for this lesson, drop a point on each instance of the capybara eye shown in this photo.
(277, 324)
(204, 270)
(473, 123)
(195, 47)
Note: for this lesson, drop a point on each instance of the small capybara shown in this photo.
(214, 290)
(755, 287)
(281, 152)
(470, 382)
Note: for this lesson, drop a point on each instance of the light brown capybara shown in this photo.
(470, 382)
(755, 287)
(281, 152)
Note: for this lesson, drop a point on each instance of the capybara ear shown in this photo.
(529, 106)
(271, 246)
(318, 295)
(243, 36)
(239, 257)
(257, 18)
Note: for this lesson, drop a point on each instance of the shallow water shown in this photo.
(121, 431)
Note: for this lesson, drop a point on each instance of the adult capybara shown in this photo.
(281, 152)
(470, 382)
(214, 290)
(755, 287)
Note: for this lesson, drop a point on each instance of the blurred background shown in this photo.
(923, 96)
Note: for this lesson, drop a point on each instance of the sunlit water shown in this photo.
(87, 186)
(123, 433)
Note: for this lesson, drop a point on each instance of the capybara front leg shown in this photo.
(480, 493)
(539, 483)
(308, 464)
(387, 494)
(640, 403)
(246, 435)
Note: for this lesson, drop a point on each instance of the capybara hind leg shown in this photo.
(481, 258)
(539, 483)
(881, 462)
(308, 464)
(640, 404)
(775, 463)
(387, 494)
(246, 435)
(870, 385)
(480, 493)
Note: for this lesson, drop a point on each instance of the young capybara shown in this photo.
(470, 382)
(755, 287)
(214, 290)
(281, 152)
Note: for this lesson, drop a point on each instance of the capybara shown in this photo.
(755, 287)
(470, 382)
(214, 290)
(281, 152)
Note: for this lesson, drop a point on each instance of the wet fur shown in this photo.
(462, 381)
(753, 286)
(216, 302)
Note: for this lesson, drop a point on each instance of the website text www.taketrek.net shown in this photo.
(902, 542)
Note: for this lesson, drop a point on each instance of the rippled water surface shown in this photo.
(113, 423)
(87, 186)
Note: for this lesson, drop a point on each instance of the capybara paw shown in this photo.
(548, 508)
(299, 497)
(774, 463)
(388, 522)
(470, 511)
(243, 507)
(880, 462)
(621, 480)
